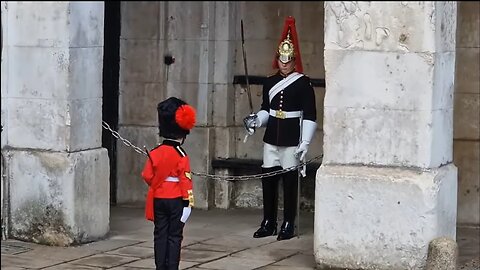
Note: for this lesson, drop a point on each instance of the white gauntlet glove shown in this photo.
(185, 214)
(254, 121)
(308, 129)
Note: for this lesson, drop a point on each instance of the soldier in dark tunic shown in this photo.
(288, 112)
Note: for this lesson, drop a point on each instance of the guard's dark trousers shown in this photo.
(168, 233)
(270, 204)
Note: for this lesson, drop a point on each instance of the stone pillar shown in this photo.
(387, 185)
(226, 22)
(51, 110)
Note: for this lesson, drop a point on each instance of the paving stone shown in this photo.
(200, 255)
(298, 260)
(104, 260)
(109, 244)
(233, 263)
(13, 249)
(187, 265)
(262, 253)
(60, 254)
(69, 266)
(12, 268)
(134, 251)
(144, 263)
(303, 243)
(26, 262)
(239, 241)
(221, 248)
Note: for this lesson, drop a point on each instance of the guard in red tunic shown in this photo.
(167, 173)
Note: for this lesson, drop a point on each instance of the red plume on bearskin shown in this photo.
(185, 117)
(290, 25)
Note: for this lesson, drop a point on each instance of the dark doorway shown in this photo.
(111, 69)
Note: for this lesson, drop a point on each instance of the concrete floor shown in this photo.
(215, 239)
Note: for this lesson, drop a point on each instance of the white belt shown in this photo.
(172, 179)
(283, 114)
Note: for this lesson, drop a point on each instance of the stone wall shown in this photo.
(204, 38)
(466, 134)
(57, 172)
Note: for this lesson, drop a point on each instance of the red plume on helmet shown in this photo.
(290, 29)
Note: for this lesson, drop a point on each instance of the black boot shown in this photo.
(287, 231)
(267, 228)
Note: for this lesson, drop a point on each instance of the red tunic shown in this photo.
(170, 161)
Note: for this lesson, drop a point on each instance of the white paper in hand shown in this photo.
(185, 214)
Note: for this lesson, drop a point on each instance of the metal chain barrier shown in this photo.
(216, 177)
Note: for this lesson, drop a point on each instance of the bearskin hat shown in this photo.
(175, 118)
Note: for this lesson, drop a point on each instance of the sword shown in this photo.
(252, 115)
(246, 69)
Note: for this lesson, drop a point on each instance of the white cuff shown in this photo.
(308, 129)
(262, 118)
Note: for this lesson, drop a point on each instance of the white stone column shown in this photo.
(387, 185)
(51, 109)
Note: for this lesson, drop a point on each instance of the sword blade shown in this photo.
(246, 69)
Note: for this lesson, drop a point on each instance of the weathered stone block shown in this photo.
(85, 24)
(265, 20)
(48, 130)
(226, 23)
(389, 137)
(467, 158)
(198, 16)
(259, 53)
(58, 125)
(224, 143)
(443, 78)
(44, 77)
(198, 145)
(198, 95)
(141, 61)
(466, 116)
(467, 74)
(56, 205)
(223, 66)
(389, 84)
(134, 95)
(376, 26)
(192, 63)
(130, 186)
(85, 127)
(441, 138)
(36, 24)
(85, 76)
(253, 147)
(381, 218)
(223, 191)
(223, 99)
(140, 20)
(468, 22)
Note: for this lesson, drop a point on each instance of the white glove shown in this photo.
(302, 150)
(262, 118)
(253, 121)
(185, 214)
(308, 129)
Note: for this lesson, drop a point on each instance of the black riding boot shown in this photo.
(290, 193)
(270, 205)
